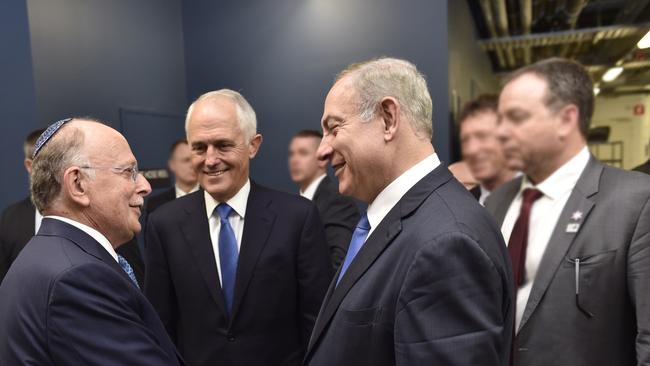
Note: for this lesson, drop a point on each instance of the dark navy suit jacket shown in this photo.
(432, 285)
(282, 275)
(66, 301)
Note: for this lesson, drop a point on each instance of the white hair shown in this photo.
(400, 79)
(245, 113)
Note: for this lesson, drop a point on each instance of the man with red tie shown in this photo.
(577, 230)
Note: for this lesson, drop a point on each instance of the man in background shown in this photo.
(578, 231)
(339, 213)
(480, 146)
(20, 221)
(69, 298)
(185, 180)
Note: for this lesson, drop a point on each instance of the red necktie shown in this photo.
(519, 237)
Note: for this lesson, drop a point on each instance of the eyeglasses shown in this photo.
(130, 171)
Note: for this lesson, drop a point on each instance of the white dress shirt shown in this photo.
(484, 195)
(37, 221)
(101, 239)
(180, 193)
(238, 203)
(544, 215)
(310, 191)
(389, 197)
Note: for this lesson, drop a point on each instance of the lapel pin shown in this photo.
(576, 216)
(572, 227)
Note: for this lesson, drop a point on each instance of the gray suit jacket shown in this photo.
(608, 323)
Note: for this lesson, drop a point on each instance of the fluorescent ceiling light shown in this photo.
(644, 42)
(612, 73)
(596, 90)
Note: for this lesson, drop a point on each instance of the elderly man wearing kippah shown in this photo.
(69, 298)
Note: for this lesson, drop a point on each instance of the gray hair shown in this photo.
(60, 153)
(400, 79)
(245, 113)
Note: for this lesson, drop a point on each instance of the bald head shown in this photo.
(87, 172)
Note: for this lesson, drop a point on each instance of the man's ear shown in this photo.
(389, 111)
(254, 145)
(28, 165)
(75, 186)
(569, 120)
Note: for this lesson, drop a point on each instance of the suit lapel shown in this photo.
(257, 227)
(54, 227)
(321, 186)
(509, 195)
(196, 230)
(564, 235)
(387, 230)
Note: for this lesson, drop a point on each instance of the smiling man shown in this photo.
(480, 146)
(69, 298)
(236, 271)
(426, 279)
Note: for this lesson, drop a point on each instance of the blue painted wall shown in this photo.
(282, 56)
(94, 57)
(17, 98)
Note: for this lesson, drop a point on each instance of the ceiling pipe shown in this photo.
(489, 21)
(526, 8)
(502, 24)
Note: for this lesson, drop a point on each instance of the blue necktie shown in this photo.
(128, 269)
(358, 238)
(228, 255)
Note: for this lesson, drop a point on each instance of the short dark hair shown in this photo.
(176, 143)
(568, 83)
(482, 103)
(309, 133)
(30, 141)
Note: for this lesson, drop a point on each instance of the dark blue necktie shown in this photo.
(128, 269)
(358, 238)
(228, 255)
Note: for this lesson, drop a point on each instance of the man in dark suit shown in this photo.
(577, 230)
(339, 213)
(236, 271)
(431, 285)
(20, 221)
(480, 146)
(69, 298)
(185, 180)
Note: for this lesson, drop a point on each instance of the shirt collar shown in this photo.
(180, 193)
(310, 191)
(99, 237)
(390, 195)
(564, 178)
(237, 202)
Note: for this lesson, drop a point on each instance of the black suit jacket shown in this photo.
(432, 285)
(282, 276)
(160, 199)
(605, 224)
(340, 216)
(17, 227)
(66, 301)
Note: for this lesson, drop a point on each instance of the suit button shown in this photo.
(231, 338)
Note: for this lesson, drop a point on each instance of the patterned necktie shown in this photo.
(358, 238)
(128, 269)
(228, 255)
(519, 237)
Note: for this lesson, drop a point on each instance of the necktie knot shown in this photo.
(531, 195)
(364, 224)
(224, 210)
